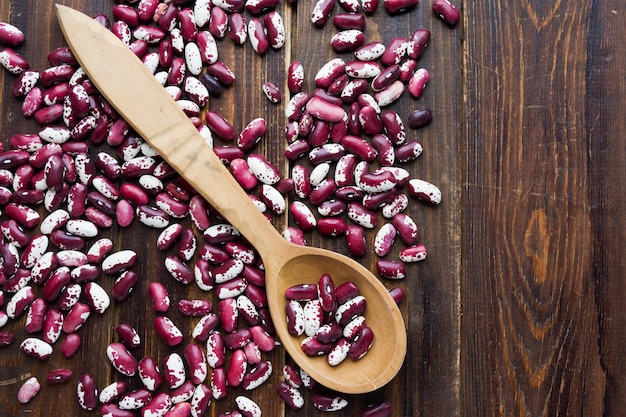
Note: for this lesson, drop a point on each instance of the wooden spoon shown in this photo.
(136, 94)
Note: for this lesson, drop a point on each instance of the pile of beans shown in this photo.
(86, 171)
(332, 318)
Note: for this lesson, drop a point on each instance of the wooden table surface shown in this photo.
(519, 308)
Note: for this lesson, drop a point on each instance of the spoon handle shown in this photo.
(143, 102)
(188, 153)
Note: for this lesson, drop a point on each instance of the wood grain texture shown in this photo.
(531, 301)
(605, 92)
(519, 308)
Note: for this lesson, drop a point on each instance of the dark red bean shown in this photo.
(32, 101)
(383, 409)
(347, 21)
(58, 376)
(70, 345)
(257, 35)
(128, 335)
(237, 28)
(386, 77)
(419, 118)
(394, 7)
(390, 269)
(6, 338)
(87, 392)
(295, 77)
(446, 11)
(331, 226)
(418, 43)
(220, 126)
(167, 331)
(194, 307)
(347, 40)
(362, 343)
(292, 397)
(311, 346)
(123, 285)
(149, 373)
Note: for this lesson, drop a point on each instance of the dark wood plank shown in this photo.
(605, 92)
(428, 384)
(533, 242)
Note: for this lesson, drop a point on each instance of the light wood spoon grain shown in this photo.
(135, 93)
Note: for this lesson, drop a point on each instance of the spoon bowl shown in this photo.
(146, 106)
(385, 358)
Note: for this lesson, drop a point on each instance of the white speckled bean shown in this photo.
(36, 348)
(118, 261)
(71, 258)
(339, 352)
(112, 391)
(303, 215)
(398, 205)
(19, 302)
(425, 191)
(319, 173)
(221, 233)
(248, 407)
(232, 288)
(121, 359)
(97, 297)
(313, 316)
(363, 69)
(362, 216)
(200, 401)
(295, 318)
(34, 250)
(202, 12)
(12, 61)
(99, 250)
(193, 59)
(414, 253)
(329, 71)
(370, 51)
(152, 216)
(55, 134)
(292, 397)
(79, 227)
(273, 198)
(262, 169)
(328, 402)
(168, 331)
(353, 327)
(228, 270)
(384, 239)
